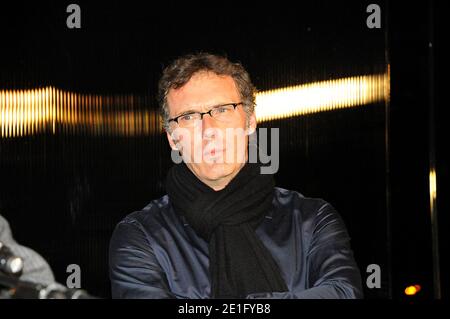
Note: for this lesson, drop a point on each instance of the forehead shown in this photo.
(203, 90)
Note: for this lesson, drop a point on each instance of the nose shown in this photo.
(208, 127)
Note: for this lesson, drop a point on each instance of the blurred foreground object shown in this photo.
(25, 274)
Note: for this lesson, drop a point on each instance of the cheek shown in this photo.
(191, 144)
(178, 139)
(182, 141)
(243, 118)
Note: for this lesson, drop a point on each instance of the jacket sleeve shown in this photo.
(133, 268)
(332, 270)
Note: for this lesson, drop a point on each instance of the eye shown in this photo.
(186, 117)
(222, 110)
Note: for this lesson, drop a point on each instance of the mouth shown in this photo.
(213, 152)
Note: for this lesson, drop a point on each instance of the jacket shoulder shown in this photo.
(313, 214)
(151, 216)
(296, 202)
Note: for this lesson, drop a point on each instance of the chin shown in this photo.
(215, 171)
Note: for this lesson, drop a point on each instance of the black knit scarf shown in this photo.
(240, 264)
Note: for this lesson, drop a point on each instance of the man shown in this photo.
(224, 230)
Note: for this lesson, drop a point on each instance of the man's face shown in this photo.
(214, 150)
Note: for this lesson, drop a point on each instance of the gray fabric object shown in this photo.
(35, 269)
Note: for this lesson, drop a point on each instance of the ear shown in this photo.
(171, 142)
(251, 124)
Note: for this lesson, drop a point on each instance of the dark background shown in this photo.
(63, 194)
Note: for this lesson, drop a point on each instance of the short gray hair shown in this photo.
(180, 71)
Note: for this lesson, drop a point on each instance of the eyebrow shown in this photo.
(187, 112)
(196, 111)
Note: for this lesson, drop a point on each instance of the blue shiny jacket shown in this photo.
(154, 253)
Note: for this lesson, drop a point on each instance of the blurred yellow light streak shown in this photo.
(321, 96)
(29, 112)
(432, 187)
(52, 110)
